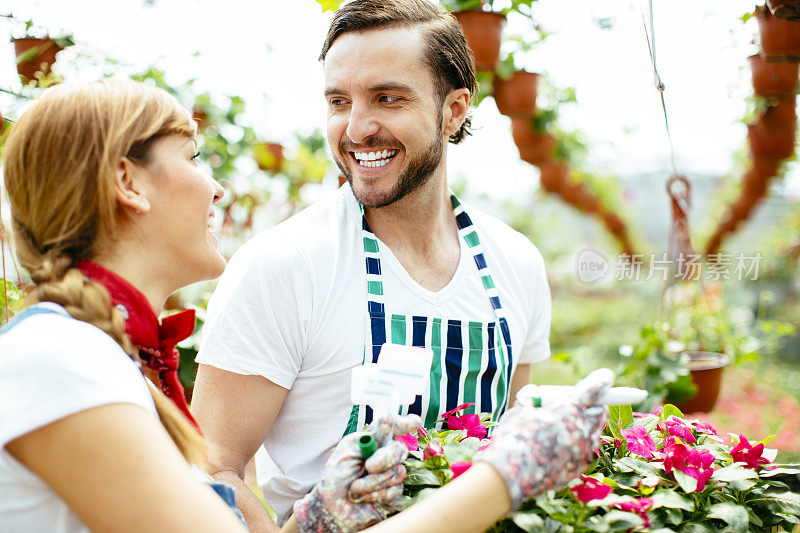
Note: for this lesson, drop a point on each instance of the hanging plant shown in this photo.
(535, 146)
(780, 38)
(780, 113)
(552, 176)
(766, 142)
(773, 78)
(35, 55)
(483, 31)
(516, 95)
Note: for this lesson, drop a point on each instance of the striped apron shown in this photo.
(472, 360)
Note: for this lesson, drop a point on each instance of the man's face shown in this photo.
(384, 116)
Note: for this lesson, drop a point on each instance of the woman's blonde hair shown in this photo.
(60, 162)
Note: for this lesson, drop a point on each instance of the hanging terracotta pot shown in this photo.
(755, 185)
(705, 369)
(201, 119)
(780, 38)
(589, 204)
(552, 176)
(776, 143)
(574, 194)
(714, 243)
(763, 168)
(614, 224)
(516, 96)
(483, 30)
(535, 147)
(785, 9)
(773, 78)
(268, 156)
(742, 208)
(35, 55)
(781, 114)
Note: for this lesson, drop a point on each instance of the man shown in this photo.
(392, 257)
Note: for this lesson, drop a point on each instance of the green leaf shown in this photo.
(734, 515)
(529, 521)
(672, 500)
(422, 476)
(408, 501)
(778, 502)
(788, 469)
(670, 410)
(696, 527)
(742, 485)
(621, 520)
(329, 5)
(641, 467)
(734, 472)
(688, 484)
(463, 450)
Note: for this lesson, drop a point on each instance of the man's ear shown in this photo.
(456, 105)
(128, 187)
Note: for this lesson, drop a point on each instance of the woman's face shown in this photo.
(179, 223)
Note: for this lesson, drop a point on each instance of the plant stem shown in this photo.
(14, 93)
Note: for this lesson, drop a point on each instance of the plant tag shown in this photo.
(395, 380)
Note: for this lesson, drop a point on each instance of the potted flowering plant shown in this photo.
(653, 471)
(780, 38)
(773, 78)
(785, 9)
(36, 51)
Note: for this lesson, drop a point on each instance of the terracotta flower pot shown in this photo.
(516, 96)
(589, 204)
(35, 55)
(785, 9)
(781, 115)
(269, 156)
(534, 147)
(553, 176)
(773, 78)
(482, 29)
(762, 168)
(780, 38)
(705, 369)
(743, 207)
(776, 143)
(714, 243)
(201, 118)
(614, 224)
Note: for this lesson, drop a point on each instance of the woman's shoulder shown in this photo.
(52, 365)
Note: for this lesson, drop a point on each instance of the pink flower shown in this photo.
(451, 412)
(704, 427)
(410, 441)
(591, 489)
(675, 455)
(639, 442)
(422, 433)
(433, 449)
(639, 506)
(460, 467)
(471, 423)
(694, 462)
(746, 453)
(677, 428)
(484, 446)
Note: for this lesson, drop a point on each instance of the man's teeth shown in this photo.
(374, 159)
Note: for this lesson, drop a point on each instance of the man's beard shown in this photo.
(417, 172)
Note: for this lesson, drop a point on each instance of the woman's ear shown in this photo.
(456, 105)
(128, 186)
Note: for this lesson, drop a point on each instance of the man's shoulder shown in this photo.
(311, 233)
(505, 241)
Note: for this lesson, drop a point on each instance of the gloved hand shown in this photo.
(343, 501)
(535, 449)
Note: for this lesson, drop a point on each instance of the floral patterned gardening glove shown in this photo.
(343, 500)
(535, 449)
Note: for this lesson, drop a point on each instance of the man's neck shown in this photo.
(421, 231)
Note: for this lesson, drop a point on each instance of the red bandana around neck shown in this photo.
(156, 342)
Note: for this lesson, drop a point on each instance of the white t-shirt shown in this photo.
(291, 307)
(53, 366)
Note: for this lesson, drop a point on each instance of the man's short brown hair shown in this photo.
(446, 51)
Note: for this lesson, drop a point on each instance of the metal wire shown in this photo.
(650, 36)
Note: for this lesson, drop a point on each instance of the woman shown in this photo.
(111, 215)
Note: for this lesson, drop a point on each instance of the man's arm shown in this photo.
(521, 377)
(235, 413)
